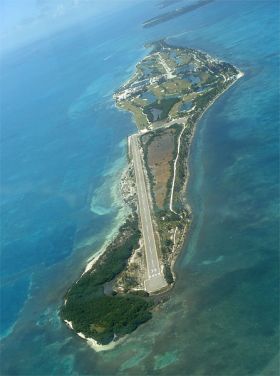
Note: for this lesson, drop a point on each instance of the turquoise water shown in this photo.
(65, 144)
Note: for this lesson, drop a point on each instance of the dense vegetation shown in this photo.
(168, 274)
(100, 316)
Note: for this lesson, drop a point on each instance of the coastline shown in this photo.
(123, 203)
(92, 343)
(123, 213)
(183, 238)
(178, 247)
(240, 75)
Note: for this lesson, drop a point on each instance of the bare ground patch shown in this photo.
(159, 158)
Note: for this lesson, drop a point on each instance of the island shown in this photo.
(122, 285)
(175, 12)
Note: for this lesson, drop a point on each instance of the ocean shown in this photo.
(63, 149)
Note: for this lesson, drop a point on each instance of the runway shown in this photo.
(155, 280)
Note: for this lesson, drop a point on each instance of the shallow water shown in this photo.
(61, 142)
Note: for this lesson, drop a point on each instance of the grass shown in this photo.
(176, 86)
(140, 118)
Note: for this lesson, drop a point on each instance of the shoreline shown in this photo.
(125, 207)
(123, 213)
(92, 343)
(183, 238)
(239, 75)
(177, 249)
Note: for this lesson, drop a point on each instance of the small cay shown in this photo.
(169, 91)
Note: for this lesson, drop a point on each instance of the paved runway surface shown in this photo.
(155, 280)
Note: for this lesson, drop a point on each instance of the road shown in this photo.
(169, 74)
(155, 280)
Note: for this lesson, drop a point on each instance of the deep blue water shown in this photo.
(63, 145)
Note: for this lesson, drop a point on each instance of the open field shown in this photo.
(140, 117)
(160, 154)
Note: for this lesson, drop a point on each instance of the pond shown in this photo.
(156, 113)
(147, 71)
(186, 106)
(149, 96)
(199, 89)
(192, 79)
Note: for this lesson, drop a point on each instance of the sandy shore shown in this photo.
(97, 347)
(92, 343)
(93, 260)
(121, 217)
(69, 324)
(123, 213)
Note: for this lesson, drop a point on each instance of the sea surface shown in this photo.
(63, 149)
